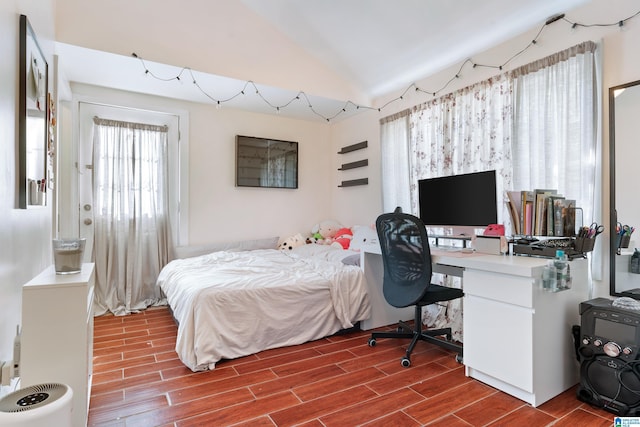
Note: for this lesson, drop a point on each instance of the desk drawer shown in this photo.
(499, 287)
(498, 341)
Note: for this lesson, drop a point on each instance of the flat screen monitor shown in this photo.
(466, 200)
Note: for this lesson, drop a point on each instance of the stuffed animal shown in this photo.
(343, 238)
(362, 236)
(292, 242)
(325, 231)
(312, 240)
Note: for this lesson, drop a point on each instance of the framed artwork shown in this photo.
(33, 120)
(264, 162)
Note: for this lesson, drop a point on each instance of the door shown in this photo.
(87, 111)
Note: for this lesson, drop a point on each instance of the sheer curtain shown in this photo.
(536, 126)
(395, 160)
(131, 224)
(465, 131)
(462, 132)
(556, 136)
(556, 122)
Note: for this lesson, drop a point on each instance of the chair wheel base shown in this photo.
(405, 362)
(372, 342)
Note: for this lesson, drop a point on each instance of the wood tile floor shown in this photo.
(337, 381)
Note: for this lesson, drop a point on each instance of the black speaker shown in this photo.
(609, 357)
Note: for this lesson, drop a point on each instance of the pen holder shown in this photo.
(622, 241)
(584, 244)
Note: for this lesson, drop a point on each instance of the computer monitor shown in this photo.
(462, 202)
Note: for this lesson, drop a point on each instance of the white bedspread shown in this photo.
(232, 304)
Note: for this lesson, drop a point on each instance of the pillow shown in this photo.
(352, 260)
(246, 245)
(311, 250)
(267, 243)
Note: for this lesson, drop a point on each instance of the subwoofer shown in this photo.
(609, 356)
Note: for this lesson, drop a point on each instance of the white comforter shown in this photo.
(232, 304)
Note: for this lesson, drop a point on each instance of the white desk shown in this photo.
(517, 337)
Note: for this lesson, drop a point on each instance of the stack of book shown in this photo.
(541, 212)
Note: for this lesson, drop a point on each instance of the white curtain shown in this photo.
(131, 221)
(555, 125)
(462, 132)
(536, 126)
(394, 132)
(465, 131)
(557, 131)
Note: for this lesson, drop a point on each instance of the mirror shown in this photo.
(33, 116)
(624, 132)
(263, 162)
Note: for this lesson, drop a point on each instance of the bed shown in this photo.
(230, 304)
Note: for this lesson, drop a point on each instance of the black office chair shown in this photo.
(407, 280)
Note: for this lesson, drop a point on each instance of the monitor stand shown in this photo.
(463, 238)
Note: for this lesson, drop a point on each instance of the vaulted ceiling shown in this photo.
(333, 50)
(381, 45)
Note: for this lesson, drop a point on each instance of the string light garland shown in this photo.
(349, 104)
(248, 84)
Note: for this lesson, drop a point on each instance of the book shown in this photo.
(564, 217)
(550, 215)
(515, 207)
(528, 218)
(568, 217)
(540, 212)
(526, 213)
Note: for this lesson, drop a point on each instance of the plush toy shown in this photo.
(343, 238)
(362, 236)
(292, 242)
(311, 240)
(325, 230)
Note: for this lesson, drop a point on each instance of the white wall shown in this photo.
(218, 210)
(360, 204)
(25, 235)
(621, 65)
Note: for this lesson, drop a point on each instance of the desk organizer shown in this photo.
(545, 252)
(622, 241)
(584, 244)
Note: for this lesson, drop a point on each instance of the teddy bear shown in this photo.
(292, 242)
(343, 238)
(325, 231)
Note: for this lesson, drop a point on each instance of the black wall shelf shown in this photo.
(354, 182)
(353, 165)
(354, 147)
